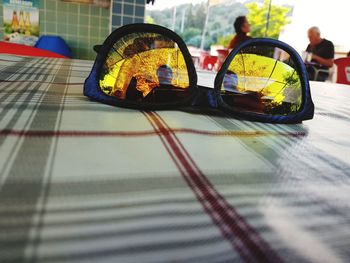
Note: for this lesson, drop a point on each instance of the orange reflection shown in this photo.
(145, 70)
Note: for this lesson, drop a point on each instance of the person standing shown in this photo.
(321, 55)
(242, 28)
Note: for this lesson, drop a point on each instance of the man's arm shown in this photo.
(326, 57)
(328, 62)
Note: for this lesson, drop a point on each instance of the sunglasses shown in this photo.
(149, 67)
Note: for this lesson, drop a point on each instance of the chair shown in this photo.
(343, 70)
(209, 62)
(55, 44)
(206, 61)
(314, 72)
(222, 54)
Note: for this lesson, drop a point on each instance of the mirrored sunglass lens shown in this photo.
(263, 80)
(145, 67)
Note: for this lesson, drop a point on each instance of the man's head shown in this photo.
(314, 35)
(165, 75)
(230, 81)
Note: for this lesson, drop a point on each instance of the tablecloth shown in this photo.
(82, 181)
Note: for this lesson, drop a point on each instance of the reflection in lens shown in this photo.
(264, 80)
(145, 67)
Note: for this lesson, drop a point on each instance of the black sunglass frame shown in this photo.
(94, 92)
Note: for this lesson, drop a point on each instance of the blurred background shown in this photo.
(203, 24)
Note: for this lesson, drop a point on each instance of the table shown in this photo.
(85, 182)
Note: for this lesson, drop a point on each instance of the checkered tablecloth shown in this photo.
(82, 181)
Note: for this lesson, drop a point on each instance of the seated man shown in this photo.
(322, 55)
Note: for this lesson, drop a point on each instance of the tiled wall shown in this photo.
(83, 26)
(127, 12)
(1, 21)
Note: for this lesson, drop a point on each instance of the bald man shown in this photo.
(322, 54)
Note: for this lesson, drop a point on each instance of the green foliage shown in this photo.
(8, 29)
(195, 16)
(224, 40)
(221, 18)
(200, 15)
(194, 41)
(149, 20)
(190, 18)
(190, 33)
(257, 18)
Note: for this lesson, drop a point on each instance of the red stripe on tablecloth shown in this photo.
(178, 141)
(156, 131)
(244, 239)
(170, 140)
(70, 133)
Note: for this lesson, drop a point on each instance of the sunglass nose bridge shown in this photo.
(206, 97)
